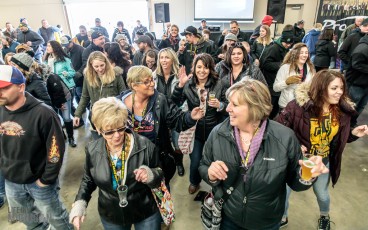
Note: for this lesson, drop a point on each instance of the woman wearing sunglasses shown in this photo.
(101, 80)
(121, 159)
(204, 89)
(151, 114)
(236, 67)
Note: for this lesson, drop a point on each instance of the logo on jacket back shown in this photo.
(11, 128)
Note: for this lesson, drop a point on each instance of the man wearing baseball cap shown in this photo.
(100, 28)
(196, 44)
(144, 44)
(98, 41)
(32, 149)
(203, 25)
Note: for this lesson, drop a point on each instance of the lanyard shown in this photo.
(136, 129)
(113, 166)
(244, 156)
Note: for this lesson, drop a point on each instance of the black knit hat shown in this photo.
(287, 37)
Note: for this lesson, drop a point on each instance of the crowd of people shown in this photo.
(248, 98)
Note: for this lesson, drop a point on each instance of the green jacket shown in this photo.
(90, 94)
(60, 67)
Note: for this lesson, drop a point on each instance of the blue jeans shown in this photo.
(78, 93)
(153, 223)
(66, 113)
(359, 95)
(37, 207)
(195, 158)
(320, 189)
(2, 187)
(227, 224)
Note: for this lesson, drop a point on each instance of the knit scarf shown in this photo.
(254, 145)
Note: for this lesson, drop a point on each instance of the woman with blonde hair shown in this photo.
(261, 44)
(101, 80)
(295, 69)
(166, 78)
(151, 114)
(252, 158)
(121, 159)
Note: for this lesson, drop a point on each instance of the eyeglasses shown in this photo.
(110, 133)
(146, 83)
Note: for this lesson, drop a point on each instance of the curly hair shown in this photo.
(58, 51)
(208, 62)
(292, 57)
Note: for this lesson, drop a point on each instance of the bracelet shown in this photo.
(212, 181)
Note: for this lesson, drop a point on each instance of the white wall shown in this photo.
(181, 13)
(34, 10)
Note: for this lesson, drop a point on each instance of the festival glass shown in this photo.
(122, 192)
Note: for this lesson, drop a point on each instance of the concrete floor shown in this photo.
(349, 198)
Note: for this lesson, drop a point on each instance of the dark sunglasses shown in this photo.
(110, 133)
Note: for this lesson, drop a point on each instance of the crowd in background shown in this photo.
(253, 85)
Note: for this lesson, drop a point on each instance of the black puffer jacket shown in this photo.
(271, 64)
(259, 202)
(166, 43)
(97, 173)
(357, 74)
(56, 89)
(212, 116)
(37, 88)
(299, 34)
(186, 58)
(348, 46)
(258, 50)
(325, 50)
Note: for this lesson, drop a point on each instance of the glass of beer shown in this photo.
(211, 95)
(307, 166)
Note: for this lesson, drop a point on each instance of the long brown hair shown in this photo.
(292, 57)
(208, 62)
(318, 93)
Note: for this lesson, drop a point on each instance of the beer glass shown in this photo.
(122, 192)
(307, 166)
(211, 95)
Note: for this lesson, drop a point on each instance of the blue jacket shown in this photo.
(60, 67)
(310, 39)
(9, 49)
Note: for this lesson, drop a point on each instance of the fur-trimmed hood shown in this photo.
(303, 99)
(118, 71)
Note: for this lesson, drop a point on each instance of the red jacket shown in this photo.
(297, 116)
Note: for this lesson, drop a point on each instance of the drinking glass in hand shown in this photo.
(307, 167)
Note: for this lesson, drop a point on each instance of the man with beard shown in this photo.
(234, 29)
(32, 39)
(144, 44)
(98, 41)
(31, 154)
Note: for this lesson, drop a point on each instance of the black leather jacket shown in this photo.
(212, 117)
(97, 173)
(259, 202)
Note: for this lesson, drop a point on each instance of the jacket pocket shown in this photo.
(17, 171)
